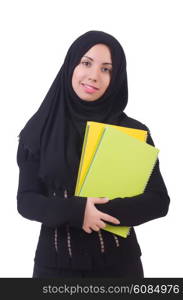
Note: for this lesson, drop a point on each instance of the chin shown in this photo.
(89, 99)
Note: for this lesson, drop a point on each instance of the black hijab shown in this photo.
(56, 131)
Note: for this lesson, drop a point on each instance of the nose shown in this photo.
(93, 75)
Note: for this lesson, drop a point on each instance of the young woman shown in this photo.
(90, 86)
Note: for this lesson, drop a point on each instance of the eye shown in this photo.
(107, 70)
(85, 63)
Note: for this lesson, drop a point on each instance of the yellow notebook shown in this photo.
(127, 160)
(92, 136)
(93, 133)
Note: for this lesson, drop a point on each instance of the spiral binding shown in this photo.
(156, 160)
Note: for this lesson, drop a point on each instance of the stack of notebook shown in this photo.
(116, 162)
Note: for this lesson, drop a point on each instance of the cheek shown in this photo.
(107, 82)
(74, 78)
(77, 75)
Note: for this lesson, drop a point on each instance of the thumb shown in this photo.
(101, 200)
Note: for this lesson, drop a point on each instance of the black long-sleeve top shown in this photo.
(62, 241)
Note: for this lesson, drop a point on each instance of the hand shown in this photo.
(93, 217)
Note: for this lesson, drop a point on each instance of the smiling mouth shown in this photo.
(89, 87)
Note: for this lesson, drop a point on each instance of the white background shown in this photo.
(35, 36)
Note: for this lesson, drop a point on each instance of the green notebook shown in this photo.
(121, 167)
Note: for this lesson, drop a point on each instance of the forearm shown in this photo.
(33, 201)
(52, 211)
(138, 209)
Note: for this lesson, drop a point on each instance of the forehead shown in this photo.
(99, 52)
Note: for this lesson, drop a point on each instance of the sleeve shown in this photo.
(32, 202)
(136, 210)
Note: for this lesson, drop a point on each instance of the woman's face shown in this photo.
(92, 75)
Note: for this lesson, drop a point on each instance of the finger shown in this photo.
(87, 230)
(95, 228)
(100, 200)
(110, 219)
(101, 224)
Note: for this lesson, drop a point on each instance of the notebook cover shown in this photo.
(121, 167)
(92, 136)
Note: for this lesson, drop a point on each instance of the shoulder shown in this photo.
(127, 121)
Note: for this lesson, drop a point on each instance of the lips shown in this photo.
(90, 87)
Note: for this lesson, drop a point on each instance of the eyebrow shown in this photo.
(105, 63)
